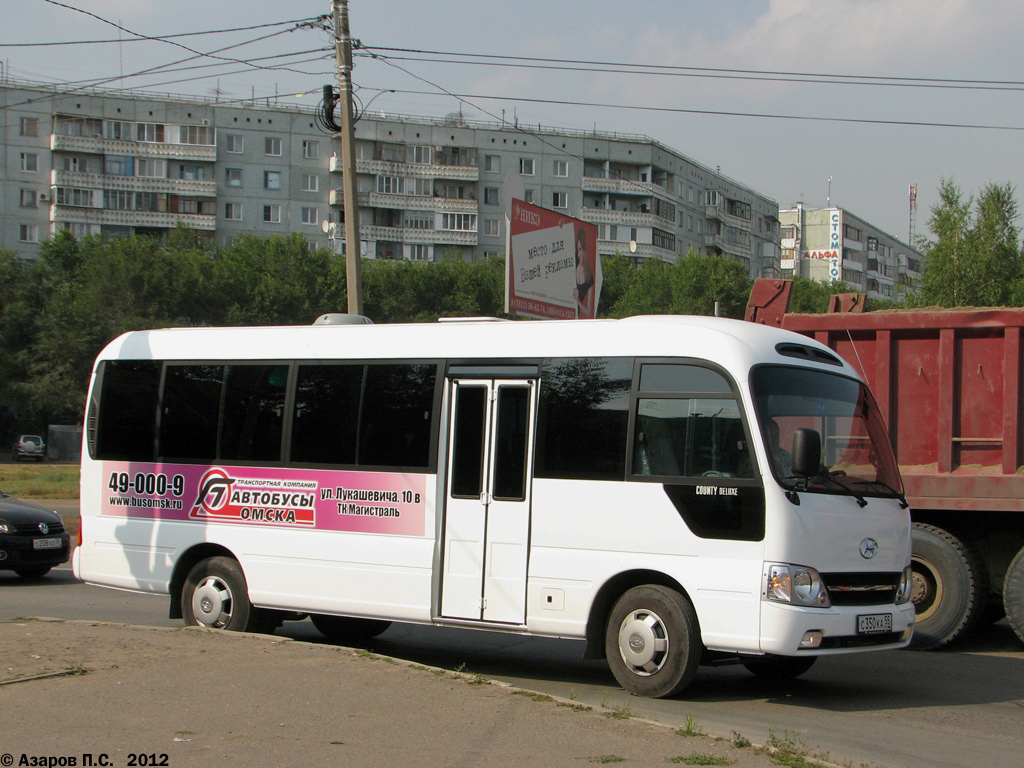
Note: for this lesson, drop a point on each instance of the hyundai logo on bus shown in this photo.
(868, 548)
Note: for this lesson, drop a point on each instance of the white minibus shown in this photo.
(673, 490)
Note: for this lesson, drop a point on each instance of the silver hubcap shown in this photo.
(643, 642)
(212, 603)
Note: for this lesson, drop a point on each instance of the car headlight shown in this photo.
(795, 584)
(5, 527)
(904, 589)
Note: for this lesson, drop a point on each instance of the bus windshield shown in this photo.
(857, 457)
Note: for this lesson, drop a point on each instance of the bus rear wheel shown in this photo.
(215, 595)
(652, 641)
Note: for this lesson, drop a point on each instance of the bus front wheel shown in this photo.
(216, 596)
(652, 641)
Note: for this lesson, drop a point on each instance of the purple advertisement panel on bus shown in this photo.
(365, 502)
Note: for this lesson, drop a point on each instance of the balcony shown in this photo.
(418, 236)
(728, 246)
(410, 170)
(620, 218)
(133, 183)
(717, 212)
(406, 202)
(99, 146)
(148, 219)
(618, 186)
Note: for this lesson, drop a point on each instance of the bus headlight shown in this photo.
(904, 589)
(796, 584)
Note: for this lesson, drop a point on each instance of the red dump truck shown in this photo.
(950, 383)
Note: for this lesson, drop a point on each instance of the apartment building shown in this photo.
(832, 244)
(108, 163)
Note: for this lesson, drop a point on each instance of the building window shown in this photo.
(309, 215)
(418, 220)
(271, 179)
(421, 187)
(390, 185)
(311, 150)
(29, 162)
(491, 196)
(149, 132)
(310, 182)
(419, 155)
(491, 227)
(29, 198)
(419, 253)
(233, 211)
(118, 130)
(192, 173)
(558, 200)
(81, 198)
(196, 134)
(526, 166)
(233, 177)
(492, 163)
(235, 143)
(30, 126)
(115, 165)
(528, 196)
(463, 222)
(28, 233)
(118, 200)
(272, 146)
(272, 214)
(560, 168)
(663, 239)
(151, 168)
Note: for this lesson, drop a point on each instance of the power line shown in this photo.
(159, 39)
(740, 73)
(163, 37)
(722, 113)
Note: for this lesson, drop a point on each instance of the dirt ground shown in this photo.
(195, 697)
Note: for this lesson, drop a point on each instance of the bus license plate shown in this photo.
(45, 543)
(874, 623)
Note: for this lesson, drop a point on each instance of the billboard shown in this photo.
(553, 269)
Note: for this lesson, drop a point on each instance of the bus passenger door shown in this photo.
(487, 506)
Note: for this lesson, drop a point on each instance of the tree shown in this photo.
(813, 296)
(975, 258)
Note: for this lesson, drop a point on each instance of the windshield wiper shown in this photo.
(825, 477)
(902, 499)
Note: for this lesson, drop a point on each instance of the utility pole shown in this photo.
(353, 248)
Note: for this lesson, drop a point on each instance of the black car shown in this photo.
(32, 538)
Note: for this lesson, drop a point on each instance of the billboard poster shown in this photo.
(333, 500)
(553, 269)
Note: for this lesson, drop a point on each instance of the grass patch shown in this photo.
(789, 751)
(619, 713)
(690, 729)
(607, 759)
(699, 758)
(740, 741)
(40, 481)
(543, 697)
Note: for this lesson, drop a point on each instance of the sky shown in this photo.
(875, 95)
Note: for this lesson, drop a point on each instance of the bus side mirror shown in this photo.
(806, 452)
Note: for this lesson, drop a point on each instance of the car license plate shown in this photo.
(874, 623)
(45, 543)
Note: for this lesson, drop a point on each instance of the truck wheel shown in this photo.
(950, 587)
(215, 595)
(652, 641)
(1013, 594)
(348, 629)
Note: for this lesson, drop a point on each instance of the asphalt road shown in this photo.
(962, 707)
